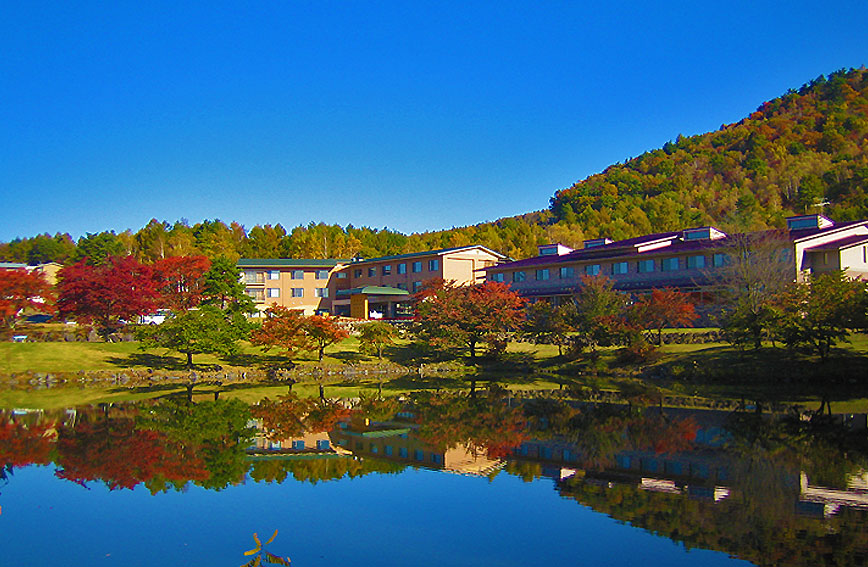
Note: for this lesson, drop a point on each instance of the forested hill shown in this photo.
(806, 151)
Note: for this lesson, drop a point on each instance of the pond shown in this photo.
(441, 479)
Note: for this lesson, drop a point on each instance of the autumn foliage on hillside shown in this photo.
(806, 151)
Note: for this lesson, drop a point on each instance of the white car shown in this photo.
(155, 318)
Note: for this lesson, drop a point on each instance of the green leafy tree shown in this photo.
(822, 313)
(596, 313)
(199, 331)
(375, 336)
(753, 281)
(546, 323)
(98, 249)
(223, 287)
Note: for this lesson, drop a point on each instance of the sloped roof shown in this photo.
(439, 252)
(288, 263)
(372, 290)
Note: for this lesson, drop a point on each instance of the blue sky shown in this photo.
(410, 115)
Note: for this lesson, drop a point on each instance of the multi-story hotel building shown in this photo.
(685, 260)
(361, 288)
(305, 285)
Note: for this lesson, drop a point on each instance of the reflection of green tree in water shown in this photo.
(217, 432)
(318, 469)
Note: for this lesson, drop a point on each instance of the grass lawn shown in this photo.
(709, 370)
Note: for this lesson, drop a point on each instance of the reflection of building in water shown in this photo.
(306, 442)
(704, 473)
(398, 442)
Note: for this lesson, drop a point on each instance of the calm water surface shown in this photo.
(439, 482)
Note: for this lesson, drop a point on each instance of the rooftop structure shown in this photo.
(687, 259)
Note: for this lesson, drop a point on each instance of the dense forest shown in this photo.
(806, 151)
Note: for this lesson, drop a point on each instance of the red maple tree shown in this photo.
(105, 295)
(180, 282)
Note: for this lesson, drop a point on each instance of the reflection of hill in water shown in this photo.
(772, 491)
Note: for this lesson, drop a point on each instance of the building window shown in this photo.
(669, 265)
(496, 277)
(695, 262)
(518, 276)
(417, 267)
(357, 273)
(542, 275)
(372, 272)
(387, 450)
(342, 275)
(298, 445)
(298, 292)
(274, 292)
(592, 270)
(323, 444)
(402, 452)
(419, 455)
(645, 266)
(568, 273)
(322, 274)
(321, 292)
(298, 274)
(401, 285)
(417, 286)
(256, 294)
(719, 260)
(435, 458)
(402, 268)
(273, 275)
(387, 270)
(253, 277)
(619, 268)
(433, 265)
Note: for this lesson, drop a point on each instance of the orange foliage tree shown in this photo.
(284, 329)
(450, 315)
(20, 290)
(664, 308)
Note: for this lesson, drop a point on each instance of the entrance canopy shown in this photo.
(376, 302)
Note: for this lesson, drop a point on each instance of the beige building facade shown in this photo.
(361, 288)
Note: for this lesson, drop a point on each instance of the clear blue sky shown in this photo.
(411, 115)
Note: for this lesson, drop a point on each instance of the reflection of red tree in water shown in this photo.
(21, 446)
(115, 452)
(291, 416)
(600, 436)
(486, 425)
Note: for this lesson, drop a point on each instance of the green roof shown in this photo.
(288, 263)
(373, 290)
